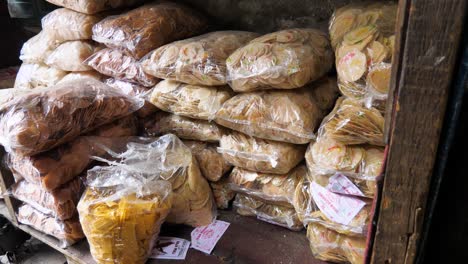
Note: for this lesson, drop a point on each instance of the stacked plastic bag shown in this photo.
(345, 161)
(363, 36)
(193, 90)
(284, 98)
(58, 50)
(131, 35)
(41, 132)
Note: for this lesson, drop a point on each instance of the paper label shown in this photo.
(338, 208)
(205, 238)
(339, 183)
(170, 248)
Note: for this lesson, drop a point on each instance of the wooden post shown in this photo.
(426, 52)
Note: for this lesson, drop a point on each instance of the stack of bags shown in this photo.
(59, 50)
(282, 98)
(131, 35)
(40, 131)
(193, 91)
(344, 162)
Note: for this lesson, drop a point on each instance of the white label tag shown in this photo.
(170, 248)
(338, 208)
(339, 183)
(205, 238)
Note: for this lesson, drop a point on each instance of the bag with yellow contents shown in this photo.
(121, 213)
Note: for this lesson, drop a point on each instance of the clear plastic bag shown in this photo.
(222, 193)
(183, 127)
(46, 118)
(274, 214)
(342, 213)
(349, 17)
(194, 101)
(60, 203)
(120, 66)
(288, 116)
(148, 27)
(285, 59)
(272, 188)
(333, 164)
(364, 37)
(199, 61)
(260, 155)
(79, 75)
(169, 159)
(93, 6)
(68, 232)
(212, 164)
(64, 24)
(32, 76)
(351, 123)
(54, 168)
(121, 213)
(328, 245)
(124, 127)
(132, 89)
(37, 48)
(70, 56)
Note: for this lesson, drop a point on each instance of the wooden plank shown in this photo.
(397, 60)
(431, 40)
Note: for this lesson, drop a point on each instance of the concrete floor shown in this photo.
(35, 252)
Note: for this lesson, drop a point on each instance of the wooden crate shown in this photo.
(427, 44)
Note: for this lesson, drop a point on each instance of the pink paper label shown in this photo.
(338, 208)
(339, 183)
(205, 238)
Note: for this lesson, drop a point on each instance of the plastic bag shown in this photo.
(132, 89)
(60, 203)
(64, 25)
(68, 232)
(199, 61)
(120, 66)
(79, 75)
(46, 118)
(342, 213)
(194, 101)
(121, 213)
(349, 17)
(285, 59)
(334, 165)
(32, 76)
(364, 37)
(260, 155)
(37, 48)
(288, 116)
(93, 6)
(328, 245)
(222, 193)
(70, 56)
(148, 27)
(124, 127)
(274, 214)
(183, 127)
(212, 164)
(169, 159)
(272, 188)
(352, 123)
(54, 168)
